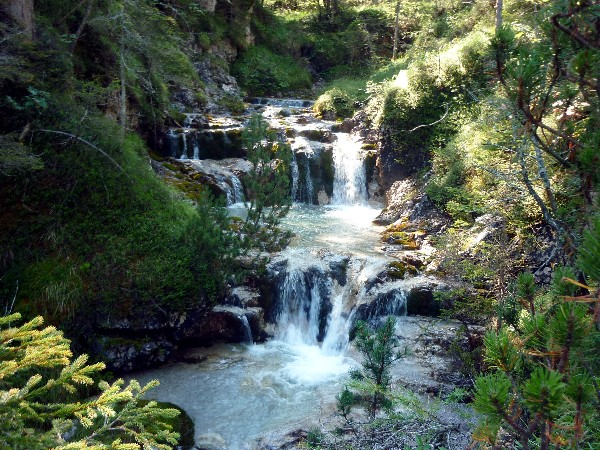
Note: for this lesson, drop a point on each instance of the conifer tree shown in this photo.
(370, 385)
(543, 385)
(40, 407)
(267, 185)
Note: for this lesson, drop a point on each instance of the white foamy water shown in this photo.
(242, 392)
(350, 179)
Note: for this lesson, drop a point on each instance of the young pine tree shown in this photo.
(370, 385)
(267, 185)
(37, 374)
(543, 386)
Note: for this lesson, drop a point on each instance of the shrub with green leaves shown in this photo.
(262, 72)
(267, 185)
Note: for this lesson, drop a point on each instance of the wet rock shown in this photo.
(211, 441)
(315, 171)
(282, 441)
(243, 296)
(338, 264)
(219, 176)
(197, 121)
(128, 354)
(411, 296)
(224, 323)
(319, 135)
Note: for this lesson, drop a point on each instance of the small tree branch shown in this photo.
(84, 20)
(88, 143)
(430, 124)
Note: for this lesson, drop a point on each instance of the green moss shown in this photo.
(398, 270)
(406, 240)
(177, 116)
(334, 103)
(233, 103)
(171, 166)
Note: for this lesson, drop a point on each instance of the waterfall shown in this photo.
(234, 191)
(350, 178)
(172, 143)
(238, 189)
(295, 177)
(196, 151)
(247, 330)
(302, 297)
(184, 154)
(309, 182)
(336, 339)
(302, 179)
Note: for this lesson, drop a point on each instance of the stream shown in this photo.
(240, 392)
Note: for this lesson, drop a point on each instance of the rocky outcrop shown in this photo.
(407, 202)
(222, 177)
(152, 337)
(411, 296)
(218, 142)
(226, 324)
(21, 12)
(396, 162)
(127, 354)
(312, 172)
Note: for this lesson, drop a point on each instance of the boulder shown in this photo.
(224, 323)
(128, 354)
(410, 296)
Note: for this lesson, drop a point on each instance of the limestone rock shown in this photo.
(127, 354)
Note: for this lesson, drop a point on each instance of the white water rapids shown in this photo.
(240, 392)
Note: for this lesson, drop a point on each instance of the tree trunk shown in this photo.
(21, 11)
(395, 51)
(498, 15)
(122, 75)
(84, 20)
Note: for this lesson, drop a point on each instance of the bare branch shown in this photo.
(430, 124)
(98, 149)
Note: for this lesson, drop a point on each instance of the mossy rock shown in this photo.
(397, 270)
(397, 226)
(171, 166)
(402, 238)
(317, 135)
(370, 164)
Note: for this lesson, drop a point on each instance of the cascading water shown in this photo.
(184, 154)
(299, 306)
(238, 189)
(350, 181)
(319, 287)
(295, 177)
(247, 330)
